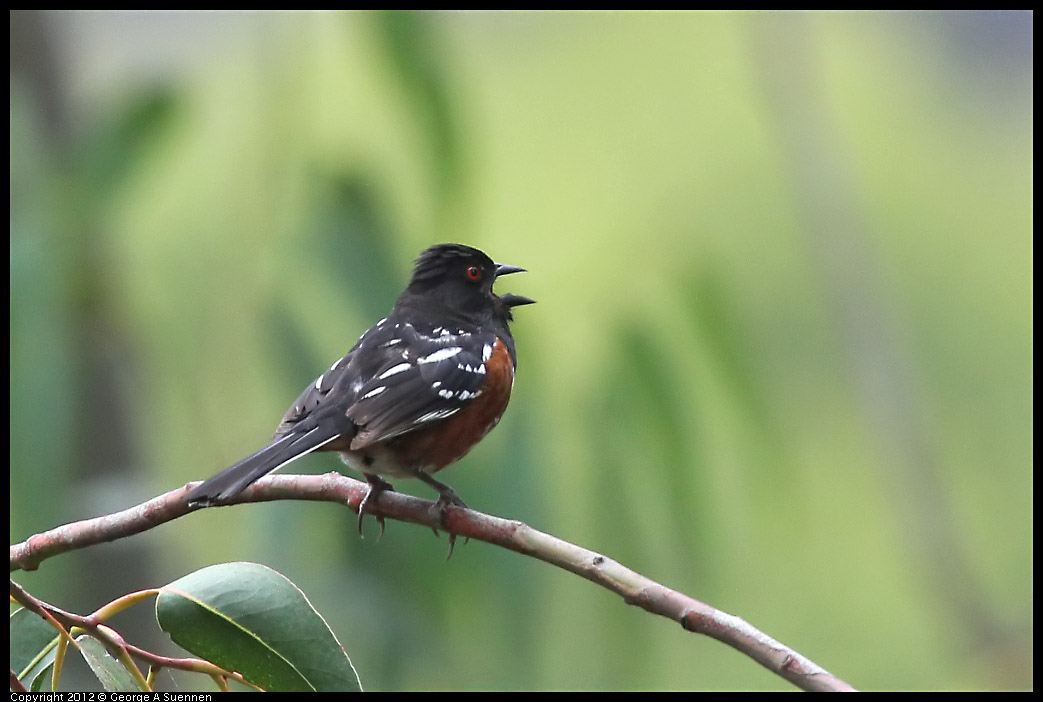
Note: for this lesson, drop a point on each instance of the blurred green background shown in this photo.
(781, 360)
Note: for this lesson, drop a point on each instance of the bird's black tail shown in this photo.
(233, 480)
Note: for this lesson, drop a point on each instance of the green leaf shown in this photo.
(112, 674)
(40, 676)
(32, 640)
(248, 618)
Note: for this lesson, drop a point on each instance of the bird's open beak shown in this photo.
(510, 299)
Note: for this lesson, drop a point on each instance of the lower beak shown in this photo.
(512, 300)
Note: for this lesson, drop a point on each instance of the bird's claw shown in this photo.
(448, 497)
(376, 486)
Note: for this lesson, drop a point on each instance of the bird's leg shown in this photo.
(377, 485)
(447, 496)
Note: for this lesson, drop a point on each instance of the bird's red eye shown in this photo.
(474, 273)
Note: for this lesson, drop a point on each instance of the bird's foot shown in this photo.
(377, 485)
(446, 497)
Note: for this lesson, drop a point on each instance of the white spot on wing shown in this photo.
(487, 352)
(375, 391)
(437, 414)
(318, 381)
(443, 336)
(393, 342)
(440, 355)
(401, 367)
(459, 394)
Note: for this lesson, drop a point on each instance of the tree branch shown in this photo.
(634, 588)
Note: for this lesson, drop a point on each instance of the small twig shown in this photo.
(633, 587)
(64, 622)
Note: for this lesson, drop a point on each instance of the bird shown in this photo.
(416, 392)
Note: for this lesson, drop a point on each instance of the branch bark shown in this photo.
(634, 588)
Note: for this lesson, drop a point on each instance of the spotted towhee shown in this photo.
(417, 391)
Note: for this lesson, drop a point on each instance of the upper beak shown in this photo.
(504, 269)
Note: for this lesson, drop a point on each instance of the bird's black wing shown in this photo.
(432, 375)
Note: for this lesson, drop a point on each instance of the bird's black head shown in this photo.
(461, 278)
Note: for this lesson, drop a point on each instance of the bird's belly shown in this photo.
(382, 461)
